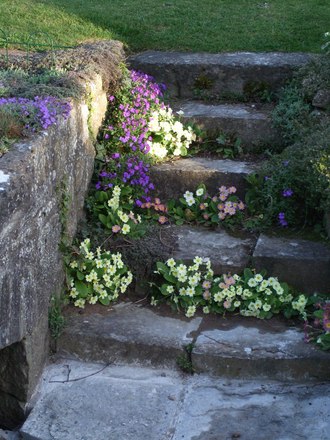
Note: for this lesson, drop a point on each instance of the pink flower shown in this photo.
(222, 215)
(206, 295)
(227, 304)
(206, 284)
(206, 216)
(115, 229)
(232, 190)
(241, 206)
(202, 206)
(162, 219)
(223, 197)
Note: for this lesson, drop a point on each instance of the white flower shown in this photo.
(169, 289)
(125, 229)
(170, 262)
(206, 310)
(258, 277)
(190, 311)
(252, 282)
(199, 192)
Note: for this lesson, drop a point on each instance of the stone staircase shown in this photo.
(116, 373)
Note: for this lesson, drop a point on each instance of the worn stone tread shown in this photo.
(231, 346)
(304, 264)
(173, 179)
(226, 252)
(222, 73)
(156, 404)
(253, 126)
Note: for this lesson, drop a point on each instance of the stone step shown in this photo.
(223, 74)
(173, 179)
(302, 263)
(135, 403)
(252, 125)
(228, 253)
(230, 346)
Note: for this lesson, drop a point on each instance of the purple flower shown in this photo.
(282, 220)
(287, 192)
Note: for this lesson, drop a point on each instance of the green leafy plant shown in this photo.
(317, 327)
(293, 188)
(193, 287)
(114, 209)
(96, 276)
(224, 208)
(56, 320)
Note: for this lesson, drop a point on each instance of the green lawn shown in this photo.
(189, 25)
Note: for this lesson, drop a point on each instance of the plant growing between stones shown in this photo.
(184, 361)
(56, 319)
(223, 208)
(193, 287)
(98, 276)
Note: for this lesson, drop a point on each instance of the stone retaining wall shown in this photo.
(35, 177)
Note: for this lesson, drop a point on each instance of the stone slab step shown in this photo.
(231, 347)
(219, 74)
(264, 349)
(127, 333)
(302, 263)
(147, 404)
(251, 125)
(173, 179)
(228, 253)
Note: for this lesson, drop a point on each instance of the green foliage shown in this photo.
(184, 361)
(56, 320)
(96, 276)
(292, 115)
(302, 168)
(47, 82)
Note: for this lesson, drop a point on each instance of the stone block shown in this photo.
(227, 253)
(302, 263)
(173, 179)
(127, 334)
(220, 74)
(252, 349)
(252, 126)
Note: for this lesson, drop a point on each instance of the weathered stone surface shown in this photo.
(9, 435)
(127, 334)
(21, 365)
(303, 264)
(43, 182)
(142, 404)
(227, 73)
(118, 403)
(253, 127)
(173, 179)
(216, 409)
(257, 349)
(322, 99)
(227, 253)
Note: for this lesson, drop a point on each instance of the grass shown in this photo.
(188, 25)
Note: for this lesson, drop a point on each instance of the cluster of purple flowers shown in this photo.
(282, 220)
(38, 113)
(128, 136)
(128, 170)
(131, 128)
